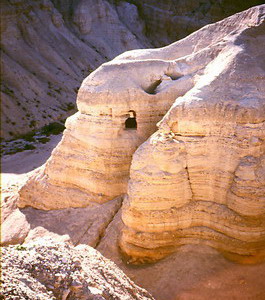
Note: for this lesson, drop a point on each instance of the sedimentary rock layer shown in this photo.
(91, 164)
(201, 177)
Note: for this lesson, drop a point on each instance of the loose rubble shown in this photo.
(50, 270)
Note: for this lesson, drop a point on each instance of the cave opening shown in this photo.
(131, 122)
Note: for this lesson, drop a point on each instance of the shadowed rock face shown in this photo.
(170, 20)
(201, 177)
(49, 46)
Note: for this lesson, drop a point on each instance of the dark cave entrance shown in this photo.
(131, 122)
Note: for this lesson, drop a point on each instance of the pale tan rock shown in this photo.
(46, 269)
(192, 272)
(91, 163)
(14, 229)
(48, 47)
(14, 225)
(78, 225)
(209, 144)
(200, 178)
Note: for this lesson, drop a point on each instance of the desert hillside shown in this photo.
(48, 47)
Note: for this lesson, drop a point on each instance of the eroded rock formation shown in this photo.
(201, 177)
(91, 163)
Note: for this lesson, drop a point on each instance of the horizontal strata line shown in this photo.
(193, 234)
(218, 226)
(195, 203)
(238, 234)
(170, 248)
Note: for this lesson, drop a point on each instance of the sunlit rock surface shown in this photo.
(48, 269)
(200, 179)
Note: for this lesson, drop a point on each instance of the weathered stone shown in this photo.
(48, 270)
(200, 179)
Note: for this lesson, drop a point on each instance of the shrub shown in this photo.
(53, 128)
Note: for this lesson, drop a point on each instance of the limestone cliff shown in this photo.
(200, 179)
(91, 163)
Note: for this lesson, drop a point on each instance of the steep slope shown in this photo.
(47, 48)
(170, 20)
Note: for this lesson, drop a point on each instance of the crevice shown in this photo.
(104, 230)
(188, 175)
(189, 135)
(81, 237)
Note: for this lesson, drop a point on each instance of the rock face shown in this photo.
(10, 215)
(49, 270)
(96, 150)
(49, 46)
(170, 20)
(200, 179)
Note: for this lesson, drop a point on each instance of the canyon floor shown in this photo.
(194, 272)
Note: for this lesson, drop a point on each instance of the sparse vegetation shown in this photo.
(53, 128)
(43, 140)
(29, 147)
(30, 140)
(8, 91)
(32, 123)
(29, 137)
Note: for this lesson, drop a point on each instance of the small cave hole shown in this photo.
(131, 122)
(152, 88)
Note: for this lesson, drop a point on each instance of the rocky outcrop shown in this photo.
(52, 270)
(200, 179)
(97, 146)
(10, 215)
